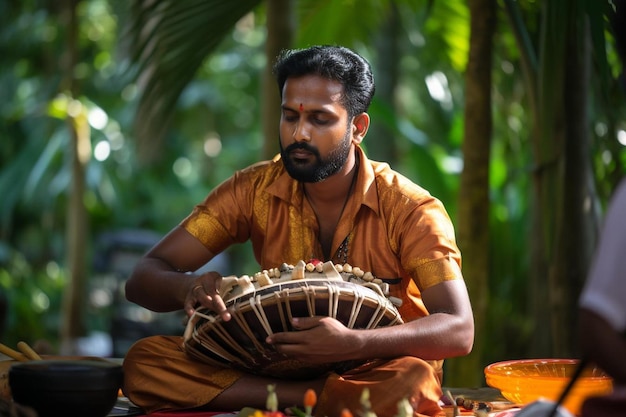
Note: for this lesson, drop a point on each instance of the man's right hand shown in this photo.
(204, 292)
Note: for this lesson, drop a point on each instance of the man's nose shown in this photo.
(301, 132)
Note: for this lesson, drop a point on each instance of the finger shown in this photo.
(191, 301)
(220, 307)
(189, 309)
(211, 299)
(304, 323)
(296, 351)
(285, 338)
(212, 283)
(201, 295)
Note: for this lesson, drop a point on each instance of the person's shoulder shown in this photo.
(389, 180)
(258, 175)
(268, 168)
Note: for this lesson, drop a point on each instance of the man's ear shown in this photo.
(360, 125)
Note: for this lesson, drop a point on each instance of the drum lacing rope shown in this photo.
(357, 303)
(257, 307)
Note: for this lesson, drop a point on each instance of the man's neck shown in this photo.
(328, 202)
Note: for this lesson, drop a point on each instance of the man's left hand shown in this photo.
(316, 340)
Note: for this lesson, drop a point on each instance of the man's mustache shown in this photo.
(304, 146)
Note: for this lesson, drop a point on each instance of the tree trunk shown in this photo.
(279, 37)
(73, 312)
(381, 140)
(473, 222)
(577, 225)
(564, 197)
(547, 146)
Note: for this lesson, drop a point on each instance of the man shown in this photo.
(323, 199)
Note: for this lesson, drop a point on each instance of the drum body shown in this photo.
(240, 342)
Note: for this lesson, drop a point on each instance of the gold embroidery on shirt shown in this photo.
(206, 228)
(433, 271)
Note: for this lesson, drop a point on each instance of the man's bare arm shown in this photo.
(161, 280)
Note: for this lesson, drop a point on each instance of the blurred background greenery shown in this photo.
(116, 117)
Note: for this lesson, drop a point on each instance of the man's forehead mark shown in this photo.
(301, 107)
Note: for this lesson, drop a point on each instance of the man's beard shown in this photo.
(321, 168)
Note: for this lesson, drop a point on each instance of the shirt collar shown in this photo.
(365, 192)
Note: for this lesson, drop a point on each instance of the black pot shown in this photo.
(67, 388)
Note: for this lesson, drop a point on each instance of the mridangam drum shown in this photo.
(265, 305)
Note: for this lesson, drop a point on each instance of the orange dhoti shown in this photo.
(158, 375)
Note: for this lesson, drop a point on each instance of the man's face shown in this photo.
(315, 138)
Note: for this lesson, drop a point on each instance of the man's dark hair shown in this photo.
(334, 63)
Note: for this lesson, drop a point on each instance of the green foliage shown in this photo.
(451, 20)
(171, 40)
(33, 298)
(122, 194)
(212, 107)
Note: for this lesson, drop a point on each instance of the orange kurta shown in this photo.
(394, 228)
(390, 226)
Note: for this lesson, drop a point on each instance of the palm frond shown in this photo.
(596, 11)
(167, 41)
(528, 51)
(338, 22)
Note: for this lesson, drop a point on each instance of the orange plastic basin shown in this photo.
(527, 380)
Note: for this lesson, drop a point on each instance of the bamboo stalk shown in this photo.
(28, 351)
(18, 356)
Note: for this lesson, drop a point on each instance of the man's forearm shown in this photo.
(158, 287)
(434, 337)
